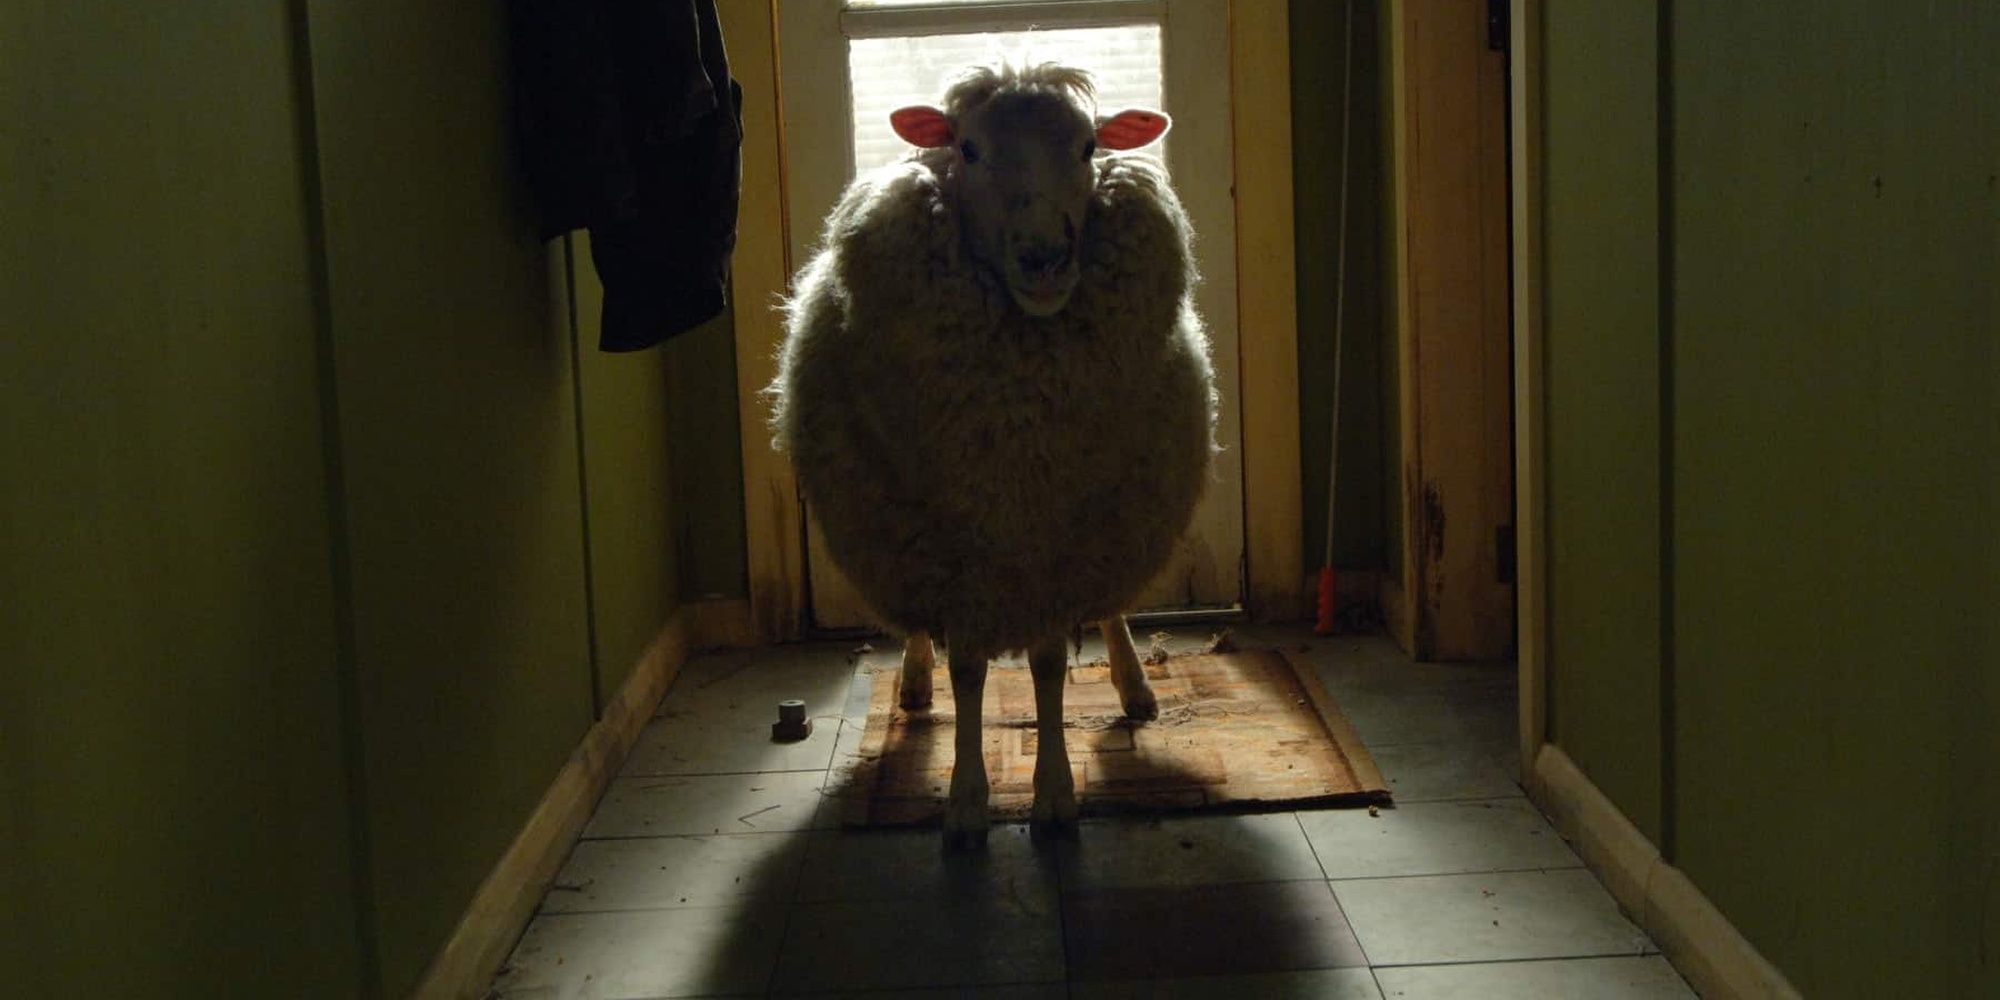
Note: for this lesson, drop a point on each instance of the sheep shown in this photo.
(998, 398)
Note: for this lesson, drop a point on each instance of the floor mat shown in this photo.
(1238, 731)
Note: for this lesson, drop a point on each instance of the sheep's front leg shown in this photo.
(918, 661)
(1055, 788)
(1127, 675)
(965, 811)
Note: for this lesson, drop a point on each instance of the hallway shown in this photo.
(712, 868)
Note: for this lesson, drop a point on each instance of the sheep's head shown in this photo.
(1022, 144)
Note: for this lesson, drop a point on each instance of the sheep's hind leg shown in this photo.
(965, 812)
(1127, 675)
(918, 661)
(1055, 787)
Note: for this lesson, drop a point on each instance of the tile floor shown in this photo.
(711, 869)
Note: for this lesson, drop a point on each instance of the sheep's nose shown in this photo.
(1036, 260)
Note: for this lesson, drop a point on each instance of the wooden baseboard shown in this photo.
(500, 910)
(1716, 959)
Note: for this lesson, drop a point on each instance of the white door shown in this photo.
(846, 65)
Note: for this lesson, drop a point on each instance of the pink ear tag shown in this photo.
(920, 125)
(1132, 128)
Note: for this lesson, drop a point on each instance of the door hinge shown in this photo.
(1496, 25)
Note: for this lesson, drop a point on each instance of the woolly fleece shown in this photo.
(982, 475)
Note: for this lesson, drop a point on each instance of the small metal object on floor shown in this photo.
(792, 725)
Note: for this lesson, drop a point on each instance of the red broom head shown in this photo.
(1329, 600)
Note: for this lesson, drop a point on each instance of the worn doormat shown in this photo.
(1238, 731)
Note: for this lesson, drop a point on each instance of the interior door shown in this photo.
(845, 66)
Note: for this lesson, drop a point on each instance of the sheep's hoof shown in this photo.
(965, 840)
(915, 697)
(1141, 705)
(965, 820)
(1055, 817)
(1055, 802)
(965, 830)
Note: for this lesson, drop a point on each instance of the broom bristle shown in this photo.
(1329, 600)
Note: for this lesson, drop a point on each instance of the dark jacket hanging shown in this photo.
(631, 127)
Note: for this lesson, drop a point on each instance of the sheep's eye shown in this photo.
(969, 151)
(1089, 148)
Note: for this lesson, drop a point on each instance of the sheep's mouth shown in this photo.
(1043, 291)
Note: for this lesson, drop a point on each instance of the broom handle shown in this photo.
(1340, 274)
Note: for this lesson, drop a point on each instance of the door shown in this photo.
(845, 66)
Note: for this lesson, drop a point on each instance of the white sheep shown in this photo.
(998, 396)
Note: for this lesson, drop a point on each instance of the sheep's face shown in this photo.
(1024, 178)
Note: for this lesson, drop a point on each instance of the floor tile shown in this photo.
(1321, 984)
(1388, 718)
(753, 681)
(1017, 991)
(847, 757)
(1487, 918)
(1427, 772)
(891, 944)
(1206, 930)
(1374, 663)
(694, 744)
(860, 865)
(1435, 838)
(717, 717)
(648, 953)
(1638, 978)
(1189, 851)
(861, 689)
(729, 803)
(676, 872)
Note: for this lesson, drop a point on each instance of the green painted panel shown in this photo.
(1603, 396)
(459, 452)
(175, 814)
(707, 461)
(629, 487)
(1317, 43)
(1834, 487)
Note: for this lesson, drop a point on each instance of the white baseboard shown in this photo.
(1707, 949)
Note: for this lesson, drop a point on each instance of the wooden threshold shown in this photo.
(506, 900)
(1700, 942)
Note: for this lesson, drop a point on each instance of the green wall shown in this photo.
(1833, 525)
(325, 527)
(458, 451)
(1362, 531)
(626, 416)
(1825, 759)
(708, 461)
(170, 738)
(1601, 262)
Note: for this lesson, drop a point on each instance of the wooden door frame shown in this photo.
(1260, 102)
(1531, 599)
(1451, 599)
(773, 526)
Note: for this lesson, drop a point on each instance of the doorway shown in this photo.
(845, 66)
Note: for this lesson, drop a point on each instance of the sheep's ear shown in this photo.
(1132, 128)
(920, 125)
